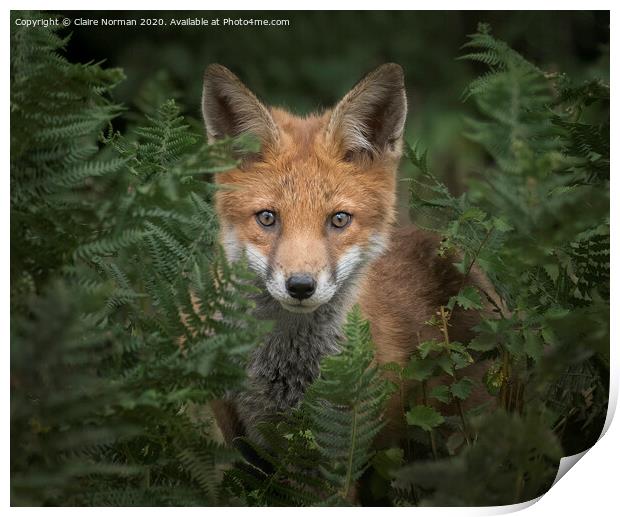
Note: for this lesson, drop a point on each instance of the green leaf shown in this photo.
(501, 225)
(419, 369)
(387, 460)
(462, 388)
(425, 417)
(533, 345)
(483, 343)
(445, 363)
(494, 378)
(455, 346)
(461, 360)
(427, 347)
(514, 344)
(469, 298)
(473, 214)
(441, 393)
(553, 270)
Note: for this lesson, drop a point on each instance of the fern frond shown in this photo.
(345, 407)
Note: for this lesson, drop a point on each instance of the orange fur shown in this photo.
(308, 181)
(310, 168)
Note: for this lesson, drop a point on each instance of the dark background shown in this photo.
(311, 63)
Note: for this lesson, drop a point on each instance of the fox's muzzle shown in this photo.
(301, 286)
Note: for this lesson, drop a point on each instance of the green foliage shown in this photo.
(58, 109)
(424, 416)
(345, 406)
(468, 298)
(537, 223)
(55, 396)
(126, 320)
(515, 463)
(284, 471)
(510, 97)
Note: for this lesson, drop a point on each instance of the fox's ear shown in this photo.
(370, 119)
(229, 108)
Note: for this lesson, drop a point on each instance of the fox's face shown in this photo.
(315, 206)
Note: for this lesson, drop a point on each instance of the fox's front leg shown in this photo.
(259, 402)
(227, 419)
(232, 427)
(266, 399)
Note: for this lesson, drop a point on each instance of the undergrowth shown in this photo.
(126, 320)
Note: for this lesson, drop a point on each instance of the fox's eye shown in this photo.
(340, 219)
(266, 218)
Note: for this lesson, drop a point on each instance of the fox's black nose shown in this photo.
(300, 286)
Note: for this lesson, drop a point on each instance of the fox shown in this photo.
(313, 214)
